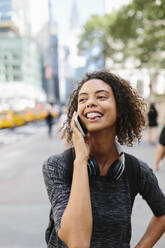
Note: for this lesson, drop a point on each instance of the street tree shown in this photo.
(95, 40)
(136, 32)
(145, 22)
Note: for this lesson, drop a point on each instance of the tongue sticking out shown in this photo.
(94, 116)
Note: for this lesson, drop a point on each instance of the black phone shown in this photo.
(80, 126)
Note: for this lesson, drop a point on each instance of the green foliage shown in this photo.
(94, 38)
(136, 30)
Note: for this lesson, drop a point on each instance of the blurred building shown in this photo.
(20, 62)
(47, 39)
(73, 63)
(75, 60)
(66, 73)
(15, 15)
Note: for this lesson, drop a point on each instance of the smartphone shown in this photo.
(80, 126)
(93, 168)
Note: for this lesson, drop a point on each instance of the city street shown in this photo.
(24, 205)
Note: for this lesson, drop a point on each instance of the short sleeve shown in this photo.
(162, 137)
(150, 190)
(58, 188)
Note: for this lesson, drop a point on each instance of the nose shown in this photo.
(91, 102)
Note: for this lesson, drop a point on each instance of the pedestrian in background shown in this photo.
(50, 121)
(160, 151)
(152, 124)
(91, 194)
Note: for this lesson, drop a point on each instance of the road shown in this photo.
(24, 205)
(11, 136)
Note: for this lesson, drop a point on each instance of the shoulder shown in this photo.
(58, 164)
(54, 163)
(137, 166)
(144, 168)
(142, 165)
(147, 176)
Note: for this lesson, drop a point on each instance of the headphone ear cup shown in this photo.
(115, 171)
(93, 167)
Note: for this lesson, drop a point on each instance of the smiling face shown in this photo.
(97, 106)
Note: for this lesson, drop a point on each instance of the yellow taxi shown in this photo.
(18, 118)
(6, 120)
(29, 115)
(10, 119)
(54, 113)
(41, 114)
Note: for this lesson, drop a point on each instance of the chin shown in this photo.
(94, 129)
(101, 129)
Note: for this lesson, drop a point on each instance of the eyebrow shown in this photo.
(98, 91)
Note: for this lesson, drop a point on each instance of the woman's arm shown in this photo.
(76, 222)
(155, 230)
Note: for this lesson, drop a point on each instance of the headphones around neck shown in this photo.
(114, 172)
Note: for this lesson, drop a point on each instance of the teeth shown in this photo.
(92, 115)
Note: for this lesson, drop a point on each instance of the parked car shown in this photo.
(29, 115)
(40, 114)
(11, 119)
(18, 118)
(6, 120)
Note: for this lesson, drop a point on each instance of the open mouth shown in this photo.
(93, 115)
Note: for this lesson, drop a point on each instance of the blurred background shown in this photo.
(46, 46)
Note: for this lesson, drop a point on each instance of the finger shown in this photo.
(73, 121)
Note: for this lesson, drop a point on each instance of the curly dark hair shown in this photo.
(130, 108)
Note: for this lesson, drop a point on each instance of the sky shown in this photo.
(85, 9)
(38, 14)
(62, 11)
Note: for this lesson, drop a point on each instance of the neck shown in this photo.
(102, 146)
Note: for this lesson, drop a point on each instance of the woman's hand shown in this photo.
(81, 144)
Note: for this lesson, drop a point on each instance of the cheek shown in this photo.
(111, 105)
(79, 108)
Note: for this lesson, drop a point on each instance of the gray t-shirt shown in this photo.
(111, 202)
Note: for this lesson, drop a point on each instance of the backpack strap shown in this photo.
(69, 157)
(132, 166)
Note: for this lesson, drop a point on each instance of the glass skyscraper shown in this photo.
(5, 10)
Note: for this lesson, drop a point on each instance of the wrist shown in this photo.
(81, 161)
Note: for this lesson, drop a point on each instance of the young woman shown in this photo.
(95, 210)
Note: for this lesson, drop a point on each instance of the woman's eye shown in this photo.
(82, 99)
(101, 97)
